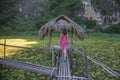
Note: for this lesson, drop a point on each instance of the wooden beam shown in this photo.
(28, 66)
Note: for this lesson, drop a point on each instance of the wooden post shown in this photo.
(47, 45)
(48, 78)
(71, 39)
(50, 37)
(53, 57)
(4, 47)
(86, 62)
(1, 67)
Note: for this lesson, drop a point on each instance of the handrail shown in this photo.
(29, 66)
(25, 47)
(15, 46)
(36, 48)
(108, 69)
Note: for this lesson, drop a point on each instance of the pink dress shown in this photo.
(64, 42)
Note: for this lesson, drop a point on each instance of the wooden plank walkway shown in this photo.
(28, 67)
(64, 72)
(64, 69)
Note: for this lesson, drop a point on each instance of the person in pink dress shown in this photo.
(64, 42)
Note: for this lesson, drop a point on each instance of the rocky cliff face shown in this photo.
(30, 7)
(105, 11)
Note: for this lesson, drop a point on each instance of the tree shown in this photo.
(106, 7)
(7, 11)
(54, 8)
(118, 1)
(90, 24)
(7, 14)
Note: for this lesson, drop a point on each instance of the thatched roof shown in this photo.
(60, 23)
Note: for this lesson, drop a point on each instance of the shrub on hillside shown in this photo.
(6, 30)
(90, 24)
(114, 29)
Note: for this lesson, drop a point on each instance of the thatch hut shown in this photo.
(60, 23)
(57, 25)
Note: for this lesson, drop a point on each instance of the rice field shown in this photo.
(102, 47)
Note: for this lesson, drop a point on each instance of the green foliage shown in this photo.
(103, 47)
(7, 11)
(66, 7)
(6, 30)
(24, 24)
(78, 20)
(32, 56)
(54, 8)
(7, 14)
(118, 1)
(105, 6)
(45, 17)
(99, 28)
(90, 24)
(114, 29)
(11, 21)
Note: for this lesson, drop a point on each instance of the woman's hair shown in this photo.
(64, 31)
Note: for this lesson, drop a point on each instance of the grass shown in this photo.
(103, 47)
(15, 42)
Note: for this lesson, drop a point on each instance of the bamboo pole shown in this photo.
(4, 47)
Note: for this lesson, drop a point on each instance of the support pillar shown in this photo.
(1, 67)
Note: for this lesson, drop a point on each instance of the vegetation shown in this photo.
(32, 56)
(7, 7)
(40, 12)
(118, 1)
(114, 29)
(55, 8)
(106, 7)
(47, 10)
(103, 47)
(24, 31)
(7, 15)
(91, 26)
(26, 55)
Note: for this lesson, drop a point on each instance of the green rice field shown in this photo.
(100, 46)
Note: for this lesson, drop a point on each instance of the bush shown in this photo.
(90, 24)
(114, 29)
(24, 28)
(99, 28)
(6, 30)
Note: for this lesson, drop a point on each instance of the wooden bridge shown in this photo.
(64, 69)
(29, 67)
(61, 69)
(60, 72)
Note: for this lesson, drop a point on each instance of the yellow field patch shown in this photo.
(14, 42)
